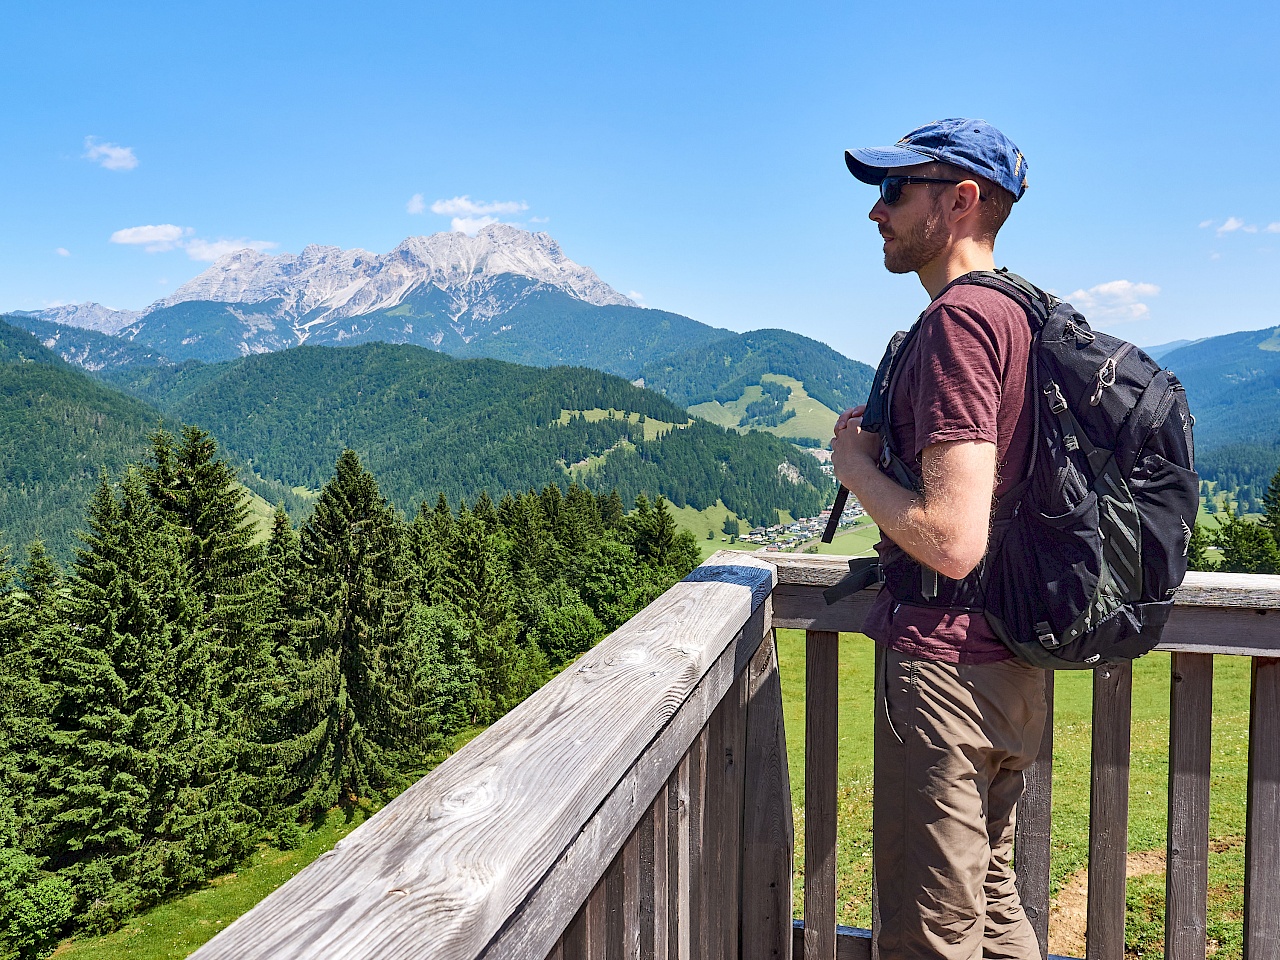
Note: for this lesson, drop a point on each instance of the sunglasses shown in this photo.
(891, 187)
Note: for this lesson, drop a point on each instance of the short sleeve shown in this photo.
(957, 382)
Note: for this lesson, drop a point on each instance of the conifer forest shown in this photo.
(182, 691)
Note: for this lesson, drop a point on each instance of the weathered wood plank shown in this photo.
(1213, 612)
(1198, 628)
(631, 897)
(658, 942)
(820, 758)
(714, 831)
(768, 839)
(1031, 838)
(801, 607)
(645, 889)
(1109, 811)
(852, 943)
(557, 952)
(734, 788)
(1187, 850)
(1262, 844)
(575, 936)
(598, 921)
(569, 879)
(453, 857)
(683, 936)
(615, 937)
(1198, 589)
(697, 880)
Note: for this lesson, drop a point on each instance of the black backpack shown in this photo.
(1087, 550)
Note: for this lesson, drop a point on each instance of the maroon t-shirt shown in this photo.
(964, 377)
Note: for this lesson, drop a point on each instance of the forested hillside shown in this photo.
(59, 429)
(424, 422)
(1233, 389)
(183, 692)
(723, 370)
(88, 349)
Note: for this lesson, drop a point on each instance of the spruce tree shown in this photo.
(1271, 506)
(135, 766)
(1247, 547)
(198, 493)
(365, 715)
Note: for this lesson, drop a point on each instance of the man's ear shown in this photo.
(967, 199)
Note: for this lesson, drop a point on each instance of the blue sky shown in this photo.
(688, 152)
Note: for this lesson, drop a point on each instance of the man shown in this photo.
(957, 719)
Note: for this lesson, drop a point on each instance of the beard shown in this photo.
(920, 244)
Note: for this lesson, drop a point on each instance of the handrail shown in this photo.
(639, 803)
(493, 853)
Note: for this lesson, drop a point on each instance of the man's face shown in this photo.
(914, 230)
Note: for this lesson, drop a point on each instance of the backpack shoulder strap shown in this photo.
(1035, 302)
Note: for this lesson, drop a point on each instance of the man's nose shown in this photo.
(879, 213)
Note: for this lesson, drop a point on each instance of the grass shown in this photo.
(176, 928)
(653, 429)
(1148, 786)
(812, 419)
(179, 926)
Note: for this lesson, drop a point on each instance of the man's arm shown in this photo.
(946, 527)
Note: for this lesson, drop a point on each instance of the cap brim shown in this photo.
(872, 164)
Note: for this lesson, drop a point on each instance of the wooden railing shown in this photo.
(1214, 615)
(638, 805)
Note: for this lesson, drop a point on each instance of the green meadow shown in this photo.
(179, 926)
(1148, 807)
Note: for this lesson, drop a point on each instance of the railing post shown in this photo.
(1032, 830)
(768, 830)
(1262, 843)
(1109, 811)
(821, 739)
(1187, 854)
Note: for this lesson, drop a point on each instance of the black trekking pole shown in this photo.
(837, 509)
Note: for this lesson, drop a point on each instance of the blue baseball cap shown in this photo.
(972, 145)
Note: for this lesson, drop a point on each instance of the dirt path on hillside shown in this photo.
(1069, 910)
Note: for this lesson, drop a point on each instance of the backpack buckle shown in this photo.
(1044, 634)
(1057, 402)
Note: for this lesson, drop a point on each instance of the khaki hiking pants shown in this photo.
(951, 742)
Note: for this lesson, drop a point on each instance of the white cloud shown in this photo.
(1117, 301)
(110, 156)
(161, 237)
(210, 250)
(1231, 225)
(63, 252)
(637, 296)
(546, 219)
(416, 204)
(470, 225)
(1273, 227)
(1205, 223)
(464, 206)
(156, 237)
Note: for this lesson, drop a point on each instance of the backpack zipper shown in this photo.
(1106, 376)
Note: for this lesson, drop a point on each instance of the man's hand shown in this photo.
(853, 450)
(946, 527)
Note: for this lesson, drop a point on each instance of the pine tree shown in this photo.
(199, 494)
(1247, 547)
(364, 712)
(1271, 506)
(41, 576)
(138, 803)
